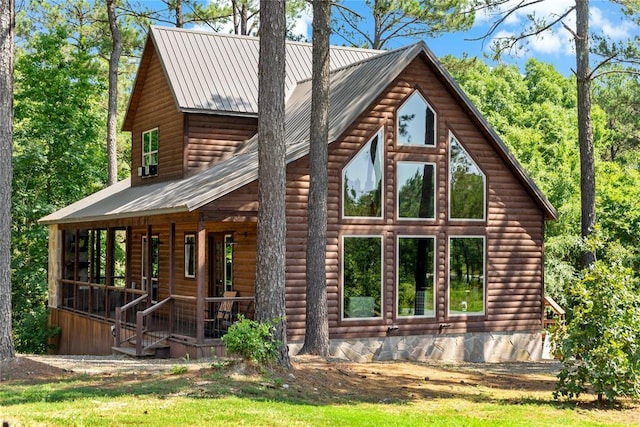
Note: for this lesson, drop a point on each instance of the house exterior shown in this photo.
(435, 232)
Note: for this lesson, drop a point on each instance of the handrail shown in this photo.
(134, 302)
(140, 316)
(119, 310)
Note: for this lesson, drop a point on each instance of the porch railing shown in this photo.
(95, 299)
(125, 328)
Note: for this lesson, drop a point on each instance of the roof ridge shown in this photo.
(254, 38)
(382, 54)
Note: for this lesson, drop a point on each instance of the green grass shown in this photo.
(213, 398)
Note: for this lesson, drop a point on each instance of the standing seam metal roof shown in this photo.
(218, 73)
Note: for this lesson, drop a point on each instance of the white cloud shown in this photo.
(599, 21)
(302, 25)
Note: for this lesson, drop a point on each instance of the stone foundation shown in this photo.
(470, 347)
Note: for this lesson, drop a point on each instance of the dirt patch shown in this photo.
(27, 369)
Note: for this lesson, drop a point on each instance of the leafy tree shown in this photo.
(59, 157)
(599, 347)
(399, 19)
(6, 144)
(585, 72)
(316, 339)
(271, 244)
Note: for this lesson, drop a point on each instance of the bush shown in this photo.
(600, 344)
(252, 340)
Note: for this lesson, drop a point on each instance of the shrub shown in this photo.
(600, 344)
(252, 340)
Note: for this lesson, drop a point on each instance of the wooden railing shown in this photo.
(94, 299)
(176, 317)
(125, 327)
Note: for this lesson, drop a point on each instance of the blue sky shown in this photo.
(555, 46)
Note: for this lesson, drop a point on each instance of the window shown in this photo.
(153, 289)
(416, 122)
(466, 275)
(150, 150)
(228, 262)
(362, 181)
(416, 280)
(190, 255)
(416, 190)
(466, 184)
(362, 277)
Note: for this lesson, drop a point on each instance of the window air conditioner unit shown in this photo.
(148, 170)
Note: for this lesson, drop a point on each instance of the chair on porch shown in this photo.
(225, 315)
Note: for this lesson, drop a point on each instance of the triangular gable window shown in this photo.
(416, 122)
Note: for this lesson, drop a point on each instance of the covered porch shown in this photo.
(164, 289)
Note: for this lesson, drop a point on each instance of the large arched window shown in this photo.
(362, 181)
(416, 122)
(467, 186)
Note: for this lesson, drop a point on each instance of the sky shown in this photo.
(555, 46)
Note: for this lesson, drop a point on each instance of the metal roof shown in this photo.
(353, 89)
(218, 73)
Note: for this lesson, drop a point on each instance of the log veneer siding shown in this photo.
(513, 227)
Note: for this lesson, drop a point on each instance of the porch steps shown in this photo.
(159, 349)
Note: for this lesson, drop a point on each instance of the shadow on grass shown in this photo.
(333, 384)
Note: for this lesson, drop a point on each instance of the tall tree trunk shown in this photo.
(316, 339)
(112, 113)
(6, 148)
(585, 128)
(270, 258)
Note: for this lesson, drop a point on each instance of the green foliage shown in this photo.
(599, 346)
(252, 340)
(59, 157)
(178, 370)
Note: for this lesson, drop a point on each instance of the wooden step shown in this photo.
(131, 351)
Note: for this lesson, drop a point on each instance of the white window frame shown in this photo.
(435, 272)
(484, 276)
(380, 135)
(342, 293)
(145, 284)
(435, 122)
(146, 155)
(435, 190)
(484, 183)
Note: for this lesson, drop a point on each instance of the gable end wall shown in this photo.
(513, 229)
(156, 109)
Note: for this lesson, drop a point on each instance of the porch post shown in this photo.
(200, 275)
(56, 244)
(148, 286)
(172, 273)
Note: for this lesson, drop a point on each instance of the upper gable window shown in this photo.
(416, 190)
(150, 152)
(362, 181)
(467, 186)
(416, 122)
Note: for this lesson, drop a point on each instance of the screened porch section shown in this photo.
(97, 282)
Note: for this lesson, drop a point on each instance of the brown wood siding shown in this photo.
(80, 334)
(211, 139)
(156, 109)
(513, 228)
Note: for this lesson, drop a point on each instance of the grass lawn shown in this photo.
(313, 393)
